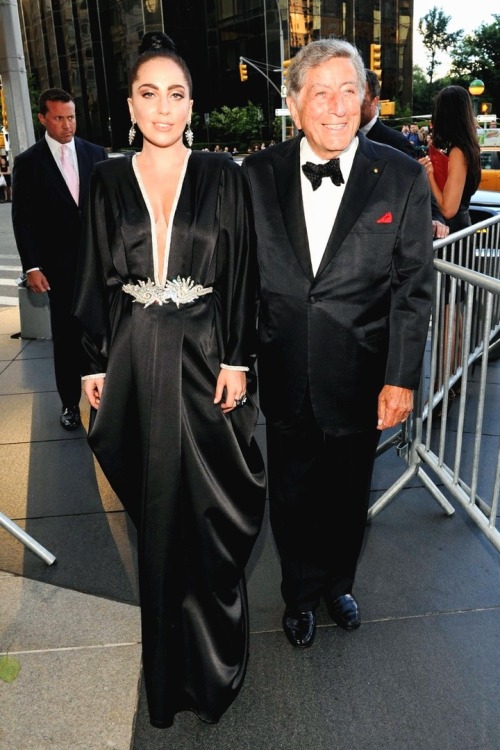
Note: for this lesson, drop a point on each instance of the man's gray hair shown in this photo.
(317, 53)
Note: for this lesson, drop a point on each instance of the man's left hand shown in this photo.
(394, 406)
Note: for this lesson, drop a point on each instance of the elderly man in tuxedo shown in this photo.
(49, 185)
(345, 297)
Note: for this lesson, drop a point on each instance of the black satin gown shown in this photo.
(191, 478)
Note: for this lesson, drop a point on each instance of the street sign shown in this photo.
(486, 118)
(282, 112)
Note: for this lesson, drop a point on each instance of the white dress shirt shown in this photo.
(321, 205)
(369, 125)
(55, 148)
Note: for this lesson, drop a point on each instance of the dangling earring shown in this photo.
(189, 135)
(131, 133)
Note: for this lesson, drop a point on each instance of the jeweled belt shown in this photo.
(179, 290)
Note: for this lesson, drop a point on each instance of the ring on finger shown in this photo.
(240, 401)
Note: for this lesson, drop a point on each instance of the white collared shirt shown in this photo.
(55, 148)
(369, 125)
(321, 205)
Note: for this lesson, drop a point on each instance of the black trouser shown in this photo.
(319, 488)
(66, 337)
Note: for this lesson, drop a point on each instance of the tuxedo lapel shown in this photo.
(85, 167)
(286, 168)
(363, 178)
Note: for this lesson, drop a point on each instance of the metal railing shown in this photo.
(453, 449)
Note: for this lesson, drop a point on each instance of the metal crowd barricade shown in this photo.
(437, 442)
(26, 539)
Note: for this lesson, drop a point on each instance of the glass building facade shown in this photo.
(88, 46)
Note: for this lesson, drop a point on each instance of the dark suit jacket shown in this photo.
(381, 133)
(46, 219)
(362, 321)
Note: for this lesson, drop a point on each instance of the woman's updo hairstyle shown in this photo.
(157, 44)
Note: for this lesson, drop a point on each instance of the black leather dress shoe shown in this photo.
(344, 611)
(299, 627)
(70, 417)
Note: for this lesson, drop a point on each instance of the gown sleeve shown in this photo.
(98, 284)
(237, 266)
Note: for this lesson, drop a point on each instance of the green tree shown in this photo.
(421, 92)
(424, 92)
(34, 94)
(478, 56)
(236, 124)
(436, 38)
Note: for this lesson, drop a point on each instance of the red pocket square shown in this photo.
(385, 219)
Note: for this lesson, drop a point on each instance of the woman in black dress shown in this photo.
(454, 143)
(454, 133)
(166, 295)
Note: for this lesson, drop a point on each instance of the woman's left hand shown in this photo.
(232, 387)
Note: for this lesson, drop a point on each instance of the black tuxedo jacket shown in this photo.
(381, 133)
(46, 219)
(362, 320)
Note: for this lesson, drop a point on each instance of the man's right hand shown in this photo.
(37, 282)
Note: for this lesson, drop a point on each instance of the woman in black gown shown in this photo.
(166, 295)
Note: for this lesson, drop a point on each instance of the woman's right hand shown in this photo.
(92, 387)
(426, 162)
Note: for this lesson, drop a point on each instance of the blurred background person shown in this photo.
(415, 136)
(5, 172)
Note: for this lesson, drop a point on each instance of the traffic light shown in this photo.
(243, 72)
(387, 108)
(376, 60)
(485, 108)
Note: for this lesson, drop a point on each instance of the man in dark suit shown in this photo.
(345, 296)
(376, 130)
(47, 220)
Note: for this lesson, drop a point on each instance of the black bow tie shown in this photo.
(316, 172)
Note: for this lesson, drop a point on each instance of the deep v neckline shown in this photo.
(154, 238)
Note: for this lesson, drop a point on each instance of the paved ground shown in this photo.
(422, 673)
(10, 264)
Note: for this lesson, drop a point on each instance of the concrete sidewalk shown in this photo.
(422, 673)
(77, 641)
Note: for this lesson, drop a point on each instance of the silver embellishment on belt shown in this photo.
(179, 290)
